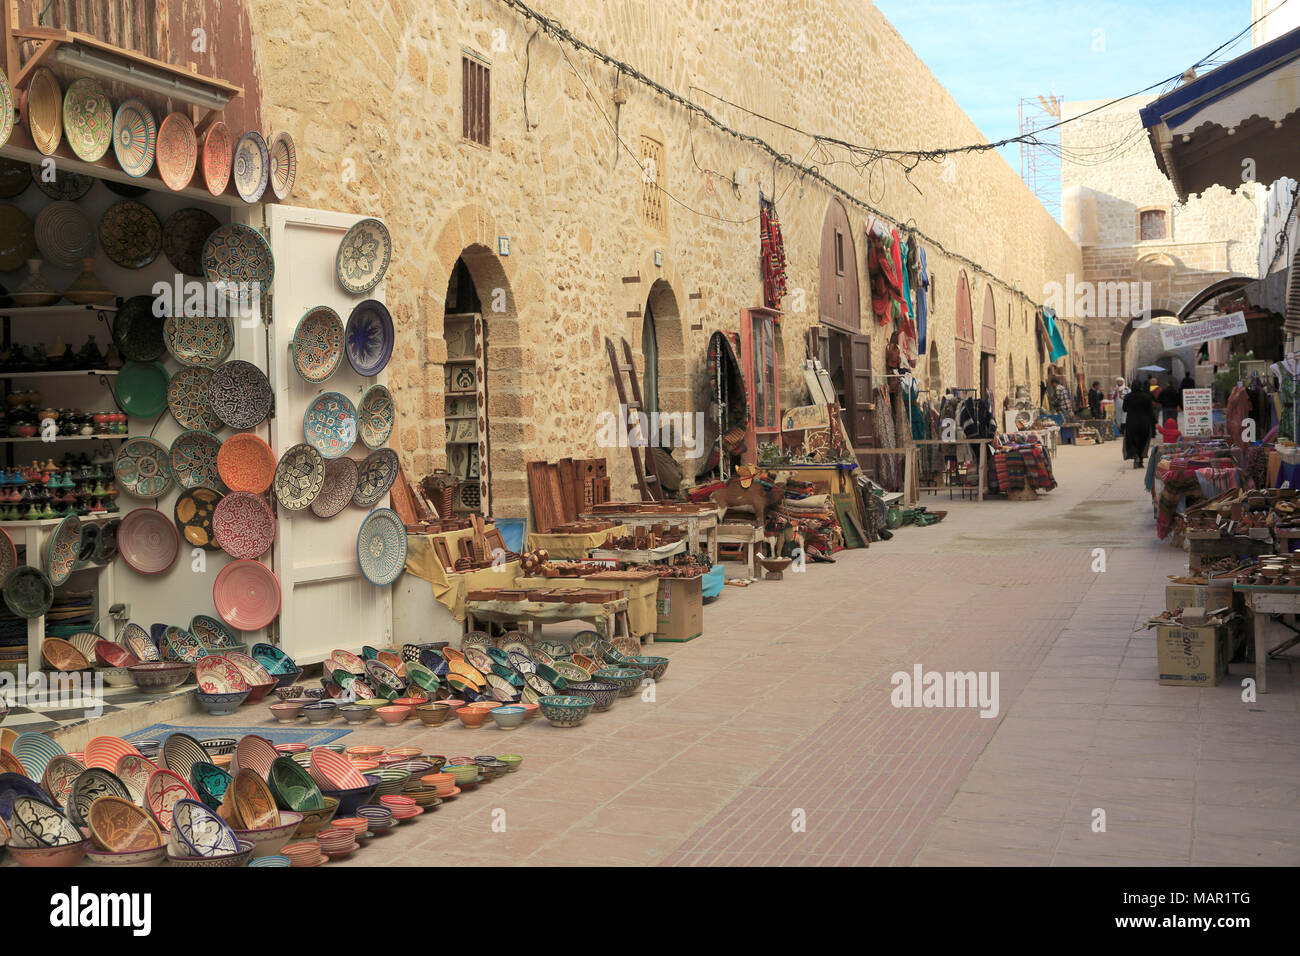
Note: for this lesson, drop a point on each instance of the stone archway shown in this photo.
(673, 387)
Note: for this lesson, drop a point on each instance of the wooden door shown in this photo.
(837, 297)
(859, 414)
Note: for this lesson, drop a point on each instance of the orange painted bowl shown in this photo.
(364, 751)
(530, 710)
(470, 717)
(357, 825)
(411, 702)
(365, 766)
(439, 781)
(406, 753)
(393, 714)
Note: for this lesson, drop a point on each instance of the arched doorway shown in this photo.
(988, 347)
(663, 352)
(965, 335)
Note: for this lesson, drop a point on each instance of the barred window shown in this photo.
(476, 87)
(653, 184)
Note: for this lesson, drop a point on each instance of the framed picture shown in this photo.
(444, 556)
(494, 541)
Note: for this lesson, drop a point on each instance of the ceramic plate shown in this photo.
(7, 111)
(376, 416)
(141, 389)
(237, 254)
(375, 476)
(138, 332)
(135, 137)
(284, 165)
(17, 238)
(63, 186)
(64, 235)
(246, 463)
(43, 110)
(363, 256)
(241, 395)
(201, 831)
(185, 233)
(88, 119)
(339, 487)
(251, 167)
(318, 344)
(244, 525)
(199, 340)
(246, 595)
(194, 460)
(178, 151)
(148, 541)
(217, 675)
(15, 177)
(194, 511)
(381, 546)
(216, 158)
(63, 548)
(143, 468)
(213, 634)
(330, 424)
(138, 643)
(369, 338)
(299, 477)
(130, 234)
(189, 396)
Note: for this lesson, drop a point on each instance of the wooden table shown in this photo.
(749, 536)
(641, 596)
(610, 618)
(701, 521)
(1262, 604)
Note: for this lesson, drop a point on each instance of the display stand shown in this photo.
(696, 522)
(611, 617)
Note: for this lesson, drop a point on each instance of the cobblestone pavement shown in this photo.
(773, 740)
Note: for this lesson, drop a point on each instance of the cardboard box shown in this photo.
(680, 609)
(1192, 656)
(1211, 597)
(1203, 553)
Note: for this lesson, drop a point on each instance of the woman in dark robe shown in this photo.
(1139, 422)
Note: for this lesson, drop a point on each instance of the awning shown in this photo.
(1236, 123)
(1058, 350)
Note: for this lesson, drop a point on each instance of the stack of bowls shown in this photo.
(465, 775)
(390, 782)
(337, 842)
(305, 853)
(628, 678)
(512, 761)
(443, 784)
(424, 796)
(359, 827)
(378, 817)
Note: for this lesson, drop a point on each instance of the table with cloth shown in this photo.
(610, 618)
(694, 522)
(642, 614)
(572, 547)
(450, 587)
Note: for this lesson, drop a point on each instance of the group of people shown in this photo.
(1137, 416)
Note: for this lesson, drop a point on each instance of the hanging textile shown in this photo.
(729, 406)
(1288, 375)
(888, 302)
(890, 473)
(922, 308)
(1237, 412)
(1058, 349)
(773, 252)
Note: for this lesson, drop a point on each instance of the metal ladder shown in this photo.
(647, 477)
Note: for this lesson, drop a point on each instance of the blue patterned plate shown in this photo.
(381, 546)
(135, 137)
(238, 254)
(65, 545)
(330, 424)
(369, 338)
(194, 460)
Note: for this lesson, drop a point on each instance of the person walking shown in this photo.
(1170, 399)
(1139, 423)
(1095, 398)
(1117, 396)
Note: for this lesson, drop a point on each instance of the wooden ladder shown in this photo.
(647, 477)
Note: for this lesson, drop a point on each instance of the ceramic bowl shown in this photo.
(354, 714)
(603, 692)
(286, 713)
(268, 841)
(320, 711)
(462, 773)
(563, 710)
(628, 678)
(393, 714)
(512, 761)
(530, 709)
(314, 820)
(257, 692)
(364, 751)
(653, 667)
(117, 676)
(350, 800)
(160, 677)
(433, 715)
(149, 856)
(494, 768)
(471, 716)
(239, 858)
(221, 705)
(508, 718)
(411, 702)
(423, 796)
(66, 855)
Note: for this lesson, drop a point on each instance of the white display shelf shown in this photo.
(73, 373)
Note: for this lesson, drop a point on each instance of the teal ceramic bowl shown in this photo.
(602, 692)
(654, 667)
(628, 678)
(565, 711)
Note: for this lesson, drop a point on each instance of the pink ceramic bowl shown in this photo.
(393, 714)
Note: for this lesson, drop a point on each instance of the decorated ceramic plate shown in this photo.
(375, 476)
(147, 541)
(299, 477)
(381, 546)
(194, 512)
(244, 525)
(60, 185)
(199, 340)
(241, 395)
(330, 424)
(194, 460)
(369, 338)
(141, 389)
(17, 238)
(88, 119)
(201, 831)
(138, 332)
(185, 233)
(135, 137)
(216, 149)
(143, 468)
(7, 111)
(339, 486)
(246, 595)
(251, 167)
(217, 675)
(178, 151)
(238, 256)
(189, 396)
(130, 234)
(63, 547)
(138, 642)
(246, 463)
(283, 165)
(318, 344)
(64, 235)
(363, 256)
(42, 108)
(376, 416)
(15, 177)
(213, 634)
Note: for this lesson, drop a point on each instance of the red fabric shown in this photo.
(1237, 413)
(885, 266)
(773, 252)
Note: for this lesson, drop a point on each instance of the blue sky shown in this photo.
(990, 53)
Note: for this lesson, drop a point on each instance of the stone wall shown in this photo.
(372, 94)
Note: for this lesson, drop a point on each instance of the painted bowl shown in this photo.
(494, 768)
(462, 773)
(411, 702)
(355, 714)
(471, 716)
(285, 712)
(149, 856)
(653, 667)
(69, 854)
(563, 710)
(512, 761)
(433, 715)
(393, 714)
(116, 676)
(603, 692)
(628, 678)
(257, 692)
(531, 709)
(423, 796)
(350, 800)
(508, 718)
(320, 711)
(221, 705)
(314, 820)
(160, 676)
(268, 841)
(239, 858)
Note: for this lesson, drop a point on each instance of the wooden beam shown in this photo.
(9, 23)
(36, 59)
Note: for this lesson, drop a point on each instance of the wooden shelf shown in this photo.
(54, 522)
(50, 311)
(37, 439)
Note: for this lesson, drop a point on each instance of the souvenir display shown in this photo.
(194, 512)
(64, 235)
(363, 256)
(138, 332)
(189, 399)
(135, 137)
(241, 395)
(88, 119)
(330, 424)
(299, 477)
(130, 234)
(376, 416)
(369, 338)
(251, 167)
(246, 595)
(42, 108)
(59, 185)
(88, 288)
(375, 476)
(318, 344)
(17, 238)
(64, 546)
(185, 233)
(194, 460)
(239, 256)
(246, 462)
(339, 486)
(216, 151)
(199, 340)
(143, 468)
(381, 546)
(178, 151)
(141, 389)
(148, 541)
(244, 525)
(283, 165)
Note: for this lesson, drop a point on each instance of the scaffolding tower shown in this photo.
(1040, 161)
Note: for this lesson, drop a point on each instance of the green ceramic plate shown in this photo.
(137, 332)
(142, 389)
(293, 786)
(28, 592)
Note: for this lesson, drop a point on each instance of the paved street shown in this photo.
(773, 739)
